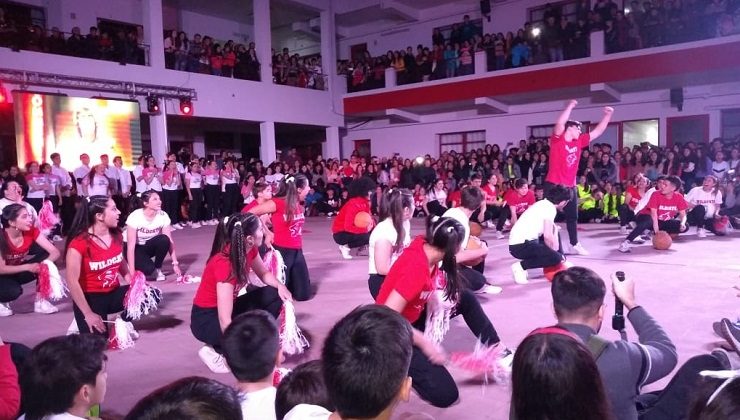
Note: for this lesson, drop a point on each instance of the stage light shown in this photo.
(3, 94)
(152, 104)
(419, 160)
(186, 106)
(536, 32)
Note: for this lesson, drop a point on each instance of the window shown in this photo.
(637, 132)
(568, 8)
(681, 130)
(730, 123)
(462, 142)
(23, 14)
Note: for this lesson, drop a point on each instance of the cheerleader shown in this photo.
(346, 234)
(704, 203)
(23, 248)
(151, 176)
(193, 186)
(423, 284)
(95, 265)
(38, 186)
(212, 193)
(233, 254)
(229, 188)
(247, 188)
(171, 193)
(390, 236)
(149, 235)
(287, 216)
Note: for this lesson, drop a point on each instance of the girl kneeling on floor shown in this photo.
(217, 301)
(391, 236)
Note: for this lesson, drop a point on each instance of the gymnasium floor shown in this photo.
(685, 289)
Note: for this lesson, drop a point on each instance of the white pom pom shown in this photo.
(292, 339)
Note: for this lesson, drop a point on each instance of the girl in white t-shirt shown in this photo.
(194, 188)
(151, 175)
(390, 236)
(436, 203)
(171, 192)
(212, 191)
(704, 203)
(148, 235)
(96, 183)
(229, 188)
(38, 185)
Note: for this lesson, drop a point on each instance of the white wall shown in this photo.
(421, 138)
(66, 14)
(217, 28)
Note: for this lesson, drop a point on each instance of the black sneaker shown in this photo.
(723, 358)
(731, 333)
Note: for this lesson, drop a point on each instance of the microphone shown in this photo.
(618, 318)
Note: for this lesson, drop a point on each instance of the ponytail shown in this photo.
(289, 187)
(137, 202)
(232, 232)
(446, 234)
(392, 204)
(85, 218)
(9, 213)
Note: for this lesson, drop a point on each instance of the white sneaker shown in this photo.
(160, 276)
(623, 230)
(43, 306)
(57, 238)
(489, 289)
(624, 247)
(701, 232)
(73, 328)
(639, 240)
(5, 309)
(176, 226)
(579, 249)
(500, 235)
(344, 249)
(215, 362)
(567, 264)
(195, 225)
(520, 274)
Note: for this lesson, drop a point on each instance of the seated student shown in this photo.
(516, 201)
(539, 192)
(64, 377)
(578, 299)
(660, 213)
(494, 205)
(590, 206)
(12, 193)
(632, 197)
(216, 302)
(191, 398)
(149, 235)
(704, 203)
(22, 249)
(303, 385)
(436, 202)
(345, 233)
(328, 204)
(535, 238)
(610, 202)
(471, 199)
(366, 360)
(554, 376)
(312, 198)
(718, 397)
(251, 346)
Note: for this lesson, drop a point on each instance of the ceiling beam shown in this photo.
(400, 116)
(604, 93)
(488, 105)
(406, 12)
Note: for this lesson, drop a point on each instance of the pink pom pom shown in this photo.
(141, 298)
(50, 285)
(47, 218)
(484, 360)
(43, 286)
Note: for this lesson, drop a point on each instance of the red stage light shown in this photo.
(186, 106)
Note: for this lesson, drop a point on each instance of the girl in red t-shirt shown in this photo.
(216, 302)
(22, 248)
(516, 201)
(287, 216)
(346, 234)
(632, 196)
(95, 265)
(415, 279)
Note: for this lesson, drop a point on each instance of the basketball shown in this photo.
(552, 270)
(662, 240)
(474, 243)
(475, 229)
(363, 220)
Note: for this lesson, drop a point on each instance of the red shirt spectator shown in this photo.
(667, 206)
(345, 220)
(520, 202)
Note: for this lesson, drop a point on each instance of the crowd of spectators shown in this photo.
(121, 46)
(295, 70)
(202, 54)
(558, 37)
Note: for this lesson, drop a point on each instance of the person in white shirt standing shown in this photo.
(704, 203)
(81, 172)
(96, 183)
(67, 211)
(139, 176)
(122, 178)
(534, 238)
(54, 195)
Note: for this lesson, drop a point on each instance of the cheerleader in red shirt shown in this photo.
(216, 302)
(287, 217)
(262, 193)
(345, 233)
(95, 265)
(419, 288)
(22, 247)
(632, 196)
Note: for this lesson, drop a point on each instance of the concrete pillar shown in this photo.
(158, 133)
(390, 77)
(199, 146)
(330, 147)
(153, 30)
(267, 142)
(263, 38)
(480, 61)
(328, 47)
(597, 44)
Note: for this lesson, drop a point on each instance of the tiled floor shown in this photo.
(685, 289)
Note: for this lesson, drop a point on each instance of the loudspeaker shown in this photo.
(485, 7)
(677, 98)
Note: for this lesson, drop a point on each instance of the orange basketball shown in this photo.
(475, 229)
(363, 220)
(552, 270)
(474, 243)
(662, 240)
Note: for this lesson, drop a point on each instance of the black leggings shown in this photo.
(535, 254)
(156, 248)
(297, 279)
(230, 200)
(204, 322)
(373, 283)
(570, 212)
(626, 215)
(195, 205)
(11, 285)
(36, 203)
(102, 304)
(645, 222)
(212, 193)
(353, 240)
(170, 199)
(473, 278)
(588, 215)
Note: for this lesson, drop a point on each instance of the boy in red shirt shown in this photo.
(566, 144)
(516, 201)
(660, 213)
(346, 234)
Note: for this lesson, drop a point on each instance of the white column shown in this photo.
(263, 38)
(158, 133)
(328, 46)
(480, 62)
(597, 44)
(267, 142)
(330, 147)
(153, 30)
(199, 146)
(390, 77)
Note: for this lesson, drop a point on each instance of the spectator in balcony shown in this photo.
(399, 64)
(195, 50)
(36, 40)
(611, 37)
(169, 48)
(651, 29)
(499, 51)
(216, 60)
(552, 41)
(182, 45)
(105, 46)
(253, 64)
(467, 30)
(466, 59)
(75, 43)
(205, 57)
(92, 43)
(520, 53)
(566, 37)
(437, 37)
(228, 61)
(55, 43)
